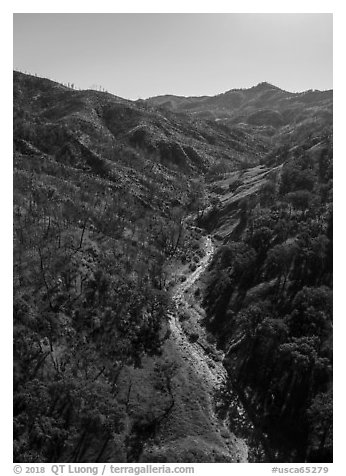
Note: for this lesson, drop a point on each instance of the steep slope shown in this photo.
(115, 357)
(268, 297)
(101, 188)
(117, 129)
(268, 109)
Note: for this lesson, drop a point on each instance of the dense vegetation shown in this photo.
(89, 298)
(92, 237)
(104, 191)
(269, 301)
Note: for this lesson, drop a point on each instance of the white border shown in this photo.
(178, 6)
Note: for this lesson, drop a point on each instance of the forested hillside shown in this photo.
(269, 301)
(263, 110)
(101, 189)
(112, 202)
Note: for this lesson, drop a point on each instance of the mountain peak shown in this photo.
(264, 85)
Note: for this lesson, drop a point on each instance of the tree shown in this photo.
(300, 199)
(320, 415)
(312, 312)
(267, 193)
(197, 199)
(279, 261)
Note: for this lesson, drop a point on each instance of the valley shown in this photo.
(172, 276)
(202, 363)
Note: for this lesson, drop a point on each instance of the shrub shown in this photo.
(193, 337)
(193, 267)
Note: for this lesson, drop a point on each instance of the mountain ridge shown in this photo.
(265, 106)
(107, 196)
(260, 85)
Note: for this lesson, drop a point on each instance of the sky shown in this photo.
(143, 55)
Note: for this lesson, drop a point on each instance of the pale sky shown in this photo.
(143, 55)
